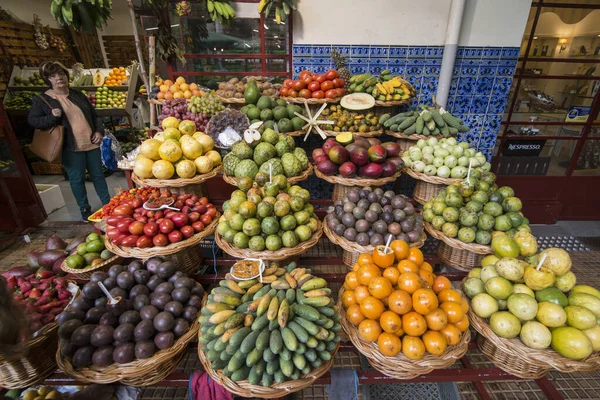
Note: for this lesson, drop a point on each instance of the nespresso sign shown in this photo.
(517, 147)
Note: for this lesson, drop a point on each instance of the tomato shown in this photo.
(331, 74)
(206, 219)
(194, 198)
(287, 83)
(338, 82)
(292, 93)
(112, 232)
(307, 80)
(136, 203)
(130, 241)
(166, 226)
(315, 76)
(304, 74)
(113, 220)
(187, 231)
(124, 209)
(198, 226)
(314, 86)
(119, 239)
(298, 85)
(136, 228)
(123, 225)
(327, 85)
(211, 211)
(284, 91)
(200, 209)
(160, 240)
(305, 93)
(319, 94)
(175, 236)
(143, 242)
(151, 229)
(340, 92)
(193, 216)
(203, 200)
(159, 214)
(331, 94)
(321, 78)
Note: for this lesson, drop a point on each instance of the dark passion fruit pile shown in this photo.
(370, 216)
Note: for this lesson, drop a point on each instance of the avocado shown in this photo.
(251, 93)
(263, 103)
(281, 102)
(279, 113)
(253, 113)
(291, 109)
(552, 295)
(285, 125)
(266, 114)
(298, 123)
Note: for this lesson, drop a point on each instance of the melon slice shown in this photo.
(357, 101)
(98, 79)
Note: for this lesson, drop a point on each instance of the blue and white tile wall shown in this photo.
(480, 83)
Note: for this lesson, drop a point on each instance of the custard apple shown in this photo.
(277, 166)
(269, 135)
(264, 152)
(291, 165)
(282, 147)
(302, 157)
(241, 150)
(229, 163)
(246, 168)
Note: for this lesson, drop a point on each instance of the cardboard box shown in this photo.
(51, 196)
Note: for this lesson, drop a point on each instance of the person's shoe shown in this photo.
(85, 214)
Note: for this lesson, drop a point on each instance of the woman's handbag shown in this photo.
(47, 143)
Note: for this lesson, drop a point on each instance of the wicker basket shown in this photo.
(380, 103)
(47, 168)
(173, 248)
(457, 254)
(291, 180)
(145, 372)
(348, 183)
(376, 133)
(36, 364)
(232, 100)
(353, 250)
(278, 255)
(399, 366)
(302, 100)
(294, 133)
(407, 141)
(178, 186)
(86, 273)
(428, 187)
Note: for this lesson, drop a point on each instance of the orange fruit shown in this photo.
(366, 273)
(383, 257)
(372, 307)
(187, 94)
(400, 248)
(463, 324)
(174, 88)
(426, 266)
(435, 343)
(183, 86)
(351, 280)
(369, 330)
(408, 266)
(424, 301)
(392, 274)
(464, 304)
(168, 82)
(380, 287)
(160, 95)
(449, 295)
(451, 333)
(180, 80)
(409, 282)
(440, 283)
(414, 324)
(390, 322)
(355, 267)
(114, 70)
(413, 347)
(353, 315)
(168, 95)
(348, 298)
(346, 287)
(436, 320)
(399, 302)
(364, 259)
(164, 88)
(193, 86)
(389, 344)
(360, 293)
(453, 311)
(426, 278)
(415, 255)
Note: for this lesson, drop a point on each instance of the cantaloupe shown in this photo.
(357, 101)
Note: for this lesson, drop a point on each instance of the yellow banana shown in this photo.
(210, 6)
(262, 5)
(277, 15)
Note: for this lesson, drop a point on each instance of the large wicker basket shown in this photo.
(281, 254)
(399, 366)
(407, 141)
(86, 273)
(376, 133)
(37, 362)
(428, 187)
(302, 100)
(291, 180)
(392, 103)
(353, 250)
(193, 185)
(343, 185)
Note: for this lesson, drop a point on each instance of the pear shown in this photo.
(538, 279)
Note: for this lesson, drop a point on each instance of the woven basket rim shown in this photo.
(393, 103)
(232, 100)
(113, 259)
(455, 243)
(280, 254)
(353, 247)
(376, 133)
(172, 248)
(137, 368)
(335, 179)
(543, 358)
(294, 133)
(176, 182)
(412, 136)
(399, 366)
(291, 180)
(302, 100)
(431, 179)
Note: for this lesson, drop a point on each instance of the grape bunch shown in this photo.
(209, 104)
(179, 109)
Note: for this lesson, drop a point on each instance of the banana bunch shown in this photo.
(283, 8)
(82, 14)
(220, 9)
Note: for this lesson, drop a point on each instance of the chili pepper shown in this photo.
(52, 305)
(35, 293)
(25, 287)
(44, 274)
(42, 300)
(64, 294)
(34, 281)
(49, 292)
(11, 282)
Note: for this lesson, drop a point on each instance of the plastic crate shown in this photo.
(412, 391)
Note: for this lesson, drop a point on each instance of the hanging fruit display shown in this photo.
(220, 9)
(57, 43)
(40, 37)
(81, 15)
(183, 8)
(282, 8)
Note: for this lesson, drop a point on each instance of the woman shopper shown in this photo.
(70, 108)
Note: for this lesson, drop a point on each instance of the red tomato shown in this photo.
(194, 216)
(338, 82)
(123, 225)
(143, 242)
(319, 94)
(314, 86)
(159, 214)
(321, 78)
(124, 209)
(113, 220)
(284, 91)
(292, 93)
(327, 85)
(166, 226)
(307, 80)
(160, 240)
(200, 209)
(136, 228)
(151, 229)
(288, 83)
(315, 76)
(340, 92)
(179, 219)
(198, 226)
(136, 203)
(305, 93)
(206, 219)
(194, 198)
(187, 231)
(331, 74)
(298, 85)
(130, 241)
(304, 74)
(211, 211)
(175, 236)
(112, 232)
(331, 94)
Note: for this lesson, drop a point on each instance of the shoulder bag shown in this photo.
(47, 143)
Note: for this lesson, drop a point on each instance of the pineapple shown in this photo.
(340, 65)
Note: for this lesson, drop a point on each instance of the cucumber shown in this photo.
(290, 296)
(225, 356)
(227, 372)
(463, 128)
(411, 129)
(268, 355)
(420, 124)
(253, 357)
(285, 354)
(254, 377)
(287, 367)
(406, 123)
(238, 337)
(259, 323)
(394, 128)
(310, 355)
(264, 290)
(289, 339)
(327, 311)
(212, 355)
(301, 348)
(272, 367)
(237, 361)
(325, 355)
(320, 346)
(262, 341)
(299, 331)
(267, 379)
(220, 345)
(276, 341)
(312, 342)
(431, 125)
(279, 376)
(240, 374)
(299, 361)
(219, 364)
(450, 120)
(249, 342)
(437, 117)
(307, 312)
(426, 116)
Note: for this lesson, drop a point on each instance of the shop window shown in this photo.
(588, 161)
(533, 156)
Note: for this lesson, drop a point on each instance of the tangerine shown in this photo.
(383, 256)
(408, 266)
(364, 259)
(413, 347)
(390, 322)
(426, 278)
(389, 344)
(414, 324)
(352, 280)
(409, 282)
(435, 342)
(436, 320)
(449, 295)
(353, 315)
(399, 302)
(426, 266)
(369, 330)
(453, 311)
(463, 324)
(400, 248)
(451, 333)
(366, 273)
(348, 298)
(440, 283)
(372, 307)
(464, 304)
(415, 255)
(424, 301)
(392, 274)
(360, 293)
(380, 287)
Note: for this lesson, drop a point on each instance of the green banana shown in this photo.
(67, 11)
(210, 6)
(286, 8)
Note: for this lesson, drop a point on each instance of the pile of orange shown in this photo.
(395, 300)
(179, 89)
(116, 77)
